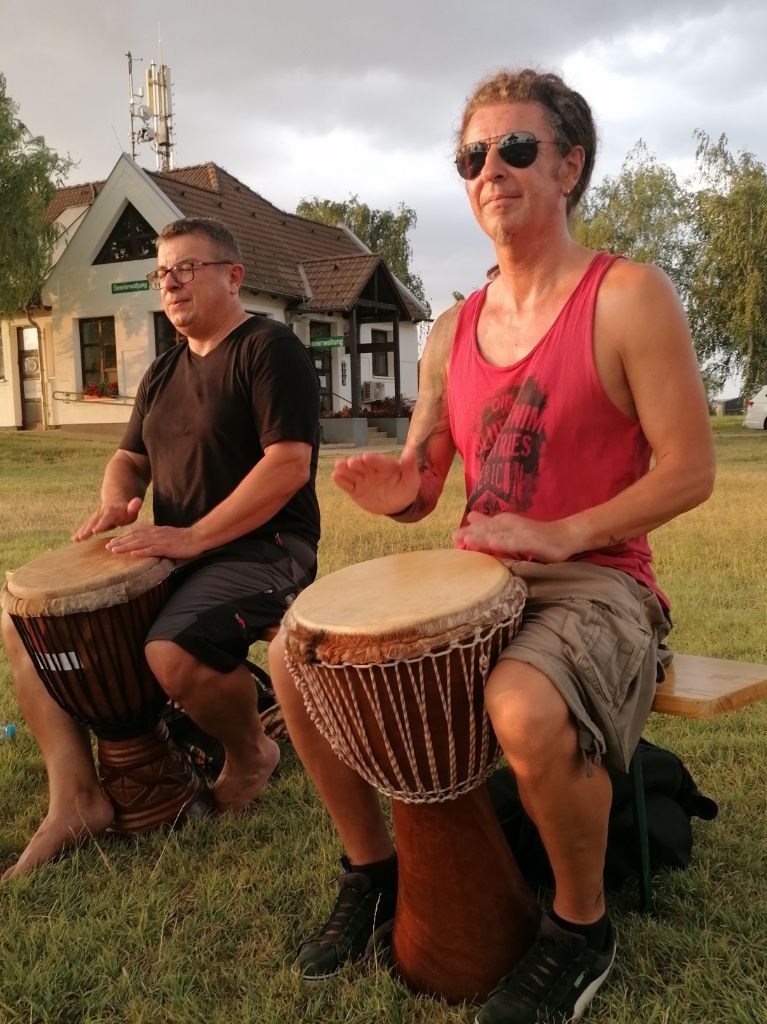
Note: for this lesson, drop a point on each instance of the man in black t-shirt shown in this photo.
(226, 428)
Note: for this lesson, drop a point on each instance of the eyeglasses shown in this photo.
(517, 149)
(183, 273)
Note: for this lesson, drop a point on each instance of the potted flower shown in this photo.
(101, 389)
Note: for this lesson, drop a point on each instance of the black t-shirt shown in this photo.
(204, 421)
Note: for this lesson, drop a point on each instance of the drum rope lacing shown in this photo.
(403, 703)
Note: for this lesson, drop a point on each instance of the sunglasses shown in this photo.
(517, 149)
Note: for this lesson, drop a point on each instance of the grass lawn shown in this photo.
(200, 925)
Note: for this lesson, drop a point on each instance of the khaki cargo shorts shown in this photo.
(597, 634)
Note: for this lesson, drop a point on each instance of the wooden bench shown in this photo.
(694, 687)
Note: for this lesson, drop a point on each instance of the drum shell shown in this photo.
(92, 662)
(406, 727)
(82, 614)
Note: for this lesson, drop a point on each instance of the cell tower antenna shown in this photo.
(155, 112)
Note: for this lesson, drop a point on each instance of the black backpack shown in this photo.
(671, 800)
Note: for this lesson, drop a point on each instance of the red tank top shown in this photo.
(541, 437)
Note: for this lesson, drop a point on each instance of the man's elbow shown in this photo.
(701, 484)
(708, 486)
(302, 477)
(291, 463)
(298, 473)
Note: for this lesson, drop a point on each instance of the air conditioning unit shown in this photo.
(373, 391)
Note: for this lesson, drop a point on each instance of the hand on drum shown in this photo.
(381, 484)
(107, 516)
(160, 541)
(514, 537)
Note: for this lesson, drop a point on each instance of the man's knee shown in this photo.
(282, 680)
(21, 665)
(529, 716)
(11, 638)
(171, 667)
(278, 670)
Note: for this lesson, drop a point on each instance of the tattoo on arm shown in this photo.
(432, 472)
(429, 433)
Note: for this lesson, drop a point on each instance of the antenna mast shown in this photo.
(155, 113)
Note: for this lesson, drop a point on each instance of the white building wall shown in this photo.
(264, 305)
(408, 359)
(342, 377)
(341, 361)
(11, 412)
(68, 223)
(77, 290)
(9, 415)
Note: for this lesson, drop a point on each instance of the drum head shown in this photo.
(81, 577)
(385, 605)
(394, 593)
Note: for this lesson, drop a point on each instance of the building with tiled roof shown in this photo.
(101, 325)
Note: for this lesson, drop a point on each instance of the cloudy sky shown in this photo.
(299, 98)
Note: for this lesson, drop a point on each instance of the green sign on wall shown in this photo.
(335, 342)
(129, 286)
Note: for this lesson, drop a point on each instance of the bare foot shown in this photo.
(91, 815)
(234, 790)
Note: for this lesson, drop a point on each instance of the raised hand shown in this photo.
(379, 483)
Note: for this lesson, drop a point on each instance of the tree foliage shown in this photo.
(643, 213)
(710, 237)
(383, 231)
(29, 175)
(728, 301)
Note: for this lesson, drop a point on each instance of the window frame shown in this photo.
(136, 236)
(108, 374)
(379, 337)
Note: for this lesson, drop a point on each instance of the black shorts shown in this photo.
(221, 602)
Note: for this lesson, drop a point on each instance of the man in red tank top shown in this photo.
(556, 383)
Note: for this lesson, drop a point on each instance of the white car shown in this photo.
(756, 411)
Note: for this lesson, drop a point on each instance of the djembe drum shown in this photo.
(391, 657)
(82, 614)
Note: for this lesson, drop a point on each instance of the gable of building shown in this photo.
(126, 185)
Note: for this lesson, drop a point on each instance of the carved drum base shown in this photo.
(149, 782)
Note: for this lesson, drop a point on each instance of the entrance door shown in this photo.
(322, 364)
(30, 378)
